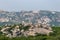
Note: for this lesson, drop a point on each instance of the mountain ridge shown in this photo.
(31, 16)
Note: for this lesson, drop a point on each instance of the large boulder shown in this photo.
(42, 31)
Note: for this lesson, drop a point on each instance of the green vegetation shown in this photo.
(54, 36)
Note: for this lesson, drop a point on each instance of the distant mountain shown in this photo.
(30, 16)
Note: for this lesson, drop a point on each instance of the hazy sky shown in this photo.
(17, 5)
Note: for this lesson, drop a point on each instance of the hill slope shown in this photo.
(53, 17)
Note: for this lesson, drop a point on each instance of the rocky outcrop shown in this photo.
(33, 30)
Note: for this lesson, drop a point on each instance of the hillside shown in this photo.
(52, 17)
(55, 36)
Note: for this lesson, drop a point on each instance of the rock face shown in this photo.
(40, 29)
(26, 30)
(5, 30)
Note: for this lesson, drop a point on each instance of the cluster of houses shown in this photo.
(33, 30)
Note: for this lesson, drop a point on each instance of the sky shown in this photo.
(18, 5)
